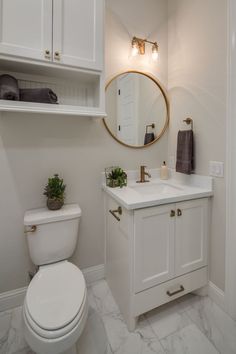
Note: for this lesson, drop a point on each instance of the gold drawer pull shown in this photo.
(172, 213)
(175, 292)
(113, 212)
(179, 212)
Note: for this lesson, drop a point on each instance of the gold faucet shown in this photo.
(143, 173)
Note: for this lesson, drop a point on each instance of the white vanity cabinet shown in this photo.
(66, 32)
(155, 254)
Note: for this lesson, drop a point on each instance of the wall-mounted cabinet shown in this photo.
(68, 32)
(56, 44)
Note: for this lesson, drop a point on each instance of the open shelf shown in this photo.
(29, 107)
(79, 92)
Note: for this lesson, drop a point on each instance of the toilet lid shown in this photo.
(55, 295)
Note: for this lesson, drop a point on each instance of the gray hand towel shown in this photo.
(39, 95)
(185, 153)
(9, 89)
(149, 137)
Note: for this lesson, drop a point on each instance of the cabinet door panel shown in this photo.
(191, 236)
(153, 246)
(78, 33)
(26, 28)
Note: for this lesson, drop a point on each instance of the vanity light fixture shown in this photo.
(138, 47)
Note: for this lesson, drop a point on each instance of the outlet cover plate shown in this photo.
(216, 169)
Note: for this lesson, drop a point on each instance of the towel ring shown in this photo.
(189, 121)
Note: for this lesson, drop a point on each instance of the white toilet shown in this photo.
(55, 307)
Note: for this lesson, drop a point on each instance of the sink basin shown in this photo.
(156, 188)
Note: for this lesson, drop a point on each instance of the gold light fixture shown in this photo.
(138, 47)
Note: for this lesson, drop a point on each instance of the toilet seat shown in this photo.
(55, 300)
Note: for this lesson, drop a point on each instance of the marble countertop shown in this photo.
(158, 192)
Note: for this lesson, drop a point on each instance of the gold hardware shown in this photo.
(150, 126)
(143, 173)
(47, 54)
(113, 212)
(179, 212)
(138, 47)
(172, 213)
(164, 93)
(175, 292)
(57, 55)
(32, 229)
(189, 121)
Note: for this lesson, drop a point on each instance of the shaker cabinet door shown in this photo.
(78, 33)
(191, 236)
(153, 246)
(26, 28)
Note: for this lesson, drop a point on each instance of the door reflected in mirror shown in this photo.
(137, 109)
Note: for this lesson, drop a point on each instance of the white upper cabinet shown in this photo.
(78, 33)
(26, 28)
(66, 32)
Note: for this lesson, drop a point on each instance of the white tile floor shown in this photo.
(191, 325)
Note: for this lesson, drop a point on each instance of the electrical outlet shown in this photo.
(216, 169)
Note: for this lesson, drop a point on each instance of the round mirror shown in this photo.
(137, 109)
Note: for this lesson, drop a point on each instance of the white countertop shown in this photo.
(177, 188)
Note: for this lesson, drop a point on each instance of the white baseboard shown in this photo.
(15, 298)
(11, 299)
(217, 295)
(95, 273)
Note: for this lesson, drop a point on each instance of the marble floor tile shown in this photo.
(103, 298)
(189, 340)
(167, 320)
(215, 324)
(142, 341)
(189, 325)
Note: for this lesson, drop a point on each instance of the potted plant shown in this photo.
(55, 192)
(116, 177)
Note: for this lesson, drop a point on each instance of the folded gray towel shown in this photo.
(149, 137)
(40, 95)
(185, 152)
(9, 89)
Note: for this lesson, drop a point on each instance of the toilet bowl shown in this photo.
(55, 308)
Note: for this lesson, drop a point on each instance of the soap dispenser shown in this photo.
(164, 171)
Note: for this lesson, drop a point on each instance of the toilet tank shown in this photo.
(52, 234)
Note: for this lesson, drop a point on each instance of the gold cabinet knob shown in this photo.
(179, 212)
(172, 213)
(47, 54)
(57, 55)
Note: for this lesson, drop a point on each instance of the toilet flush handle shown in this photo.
(32, 229)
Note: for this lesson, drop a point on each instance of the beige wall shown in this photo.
(198, 88)
(32, 147)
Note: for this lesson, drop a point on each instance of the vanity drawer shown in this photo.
(168, 291)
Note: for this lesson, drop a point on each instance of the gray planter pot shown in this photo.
(54, 204)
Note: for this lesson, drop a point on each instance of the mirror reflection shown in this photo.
(137, 109)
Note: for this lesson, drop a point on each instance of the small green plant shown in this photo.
(117, 178)
(55, 191)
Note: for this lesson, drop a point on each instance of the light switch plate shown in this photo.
(216, 169)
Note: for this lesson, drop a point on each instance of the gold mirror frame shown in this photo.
(167, 109)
